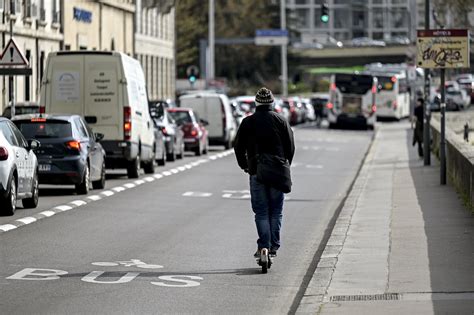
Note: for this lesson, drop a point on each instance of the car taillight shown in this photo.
(74, 145)
(127, 123)
(330, 105)
(3, 154)
(333, 86)
(194, 132)
(374, 108)
(374, 89)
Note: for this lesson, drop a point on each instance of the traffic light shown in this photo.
(192, 72)
(324, 13)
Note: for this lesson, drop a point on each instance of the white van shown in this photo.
(216, 110)
(108, 90)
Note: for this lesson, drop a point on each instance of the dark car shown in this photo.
(22, 108)
(173, 135)
(195, 133)
(70, 152)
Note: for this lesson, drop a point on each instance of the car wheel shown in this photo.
(10, 199)
(228, 145)
(206, 147)
(133, 170)
(100, 184)
(171, 156)
(84, 187)
(198, 150)
(162, 161)
(32, 202)
(149, 167)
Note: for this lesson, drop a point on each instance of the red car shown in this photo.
(194, 128)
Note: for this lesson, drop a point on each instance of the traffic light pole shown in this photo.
(284, 62)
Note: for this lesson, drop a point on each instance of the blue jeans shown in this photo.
(267, 204)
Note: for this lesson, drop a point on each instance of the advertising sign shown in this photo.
(442, 49)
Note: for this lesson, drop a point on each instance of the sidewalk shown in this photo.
(402, 244)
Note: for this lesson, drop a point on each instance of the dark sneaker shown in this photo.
(272, 252)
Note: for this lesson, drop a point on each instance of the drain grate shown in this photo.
(366, 297)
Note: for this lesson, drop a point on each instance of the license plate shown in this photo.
(44, 167)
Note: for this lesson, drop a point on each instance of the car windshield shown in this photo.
(385, 83)
(44, 129)
(181, 117)
(353, 83)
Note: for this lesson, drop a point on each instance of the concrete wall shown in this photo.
(459, 161)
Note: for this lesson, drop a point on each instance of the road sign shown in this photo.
(12, 55)
(271, 37)
(443, 49)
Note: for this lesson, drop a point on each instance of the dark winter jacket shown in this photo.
(267, 132)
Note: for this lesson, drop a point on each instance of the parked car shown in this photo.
(215, 108)
(366, 41)
(18, 169)
(279, 107)
(246, 104)
(22, 108)
(459, 98)
(236, 112)
(173, 135)
(108, 89)
(309, 109)
(70, 153)
(160, 145)
(196, 137)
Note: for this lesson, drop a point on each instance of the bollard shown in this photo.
(466, 132)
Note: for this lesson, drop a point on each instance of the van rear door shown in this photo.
(215, 116)
(63, 91)
(103, 97)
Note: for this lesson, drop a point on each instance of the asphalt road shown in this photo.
(181, 242)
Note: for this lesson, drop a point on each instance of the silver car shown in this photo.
(18, 169)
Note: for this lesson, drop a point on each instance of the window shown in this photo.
(27, 77)
(303, 17)
(79, 128)
(399, 18)
(378, 18)
(301, 1)
(27, 9)
(42, 11)
(19, 137)
(55, 11)
(8, 133)
(342, 18)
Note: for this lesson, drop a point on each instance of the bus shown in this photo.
(352, 100)
(393, 98)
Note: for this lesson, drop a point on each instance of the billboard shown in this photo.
(442, 49)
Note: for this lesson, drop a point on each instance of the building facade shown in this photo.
(104, 25)
(348, 19)
(155, 46)
(37, 31)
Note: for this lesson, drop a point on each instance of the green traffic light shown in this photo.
(192, 79)
(324, 18)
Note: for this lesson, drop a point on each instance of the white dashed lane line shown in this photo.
(107, 193)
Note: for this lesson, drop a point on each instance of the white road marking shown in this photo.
(107, 193)
(213, 157)
(65, 208)
(157, 176)
(174, 171)
(27, 220)
(78, 203)
(149, 179)
(119, 189)
(105, 264)
(197, 194)
(48, 213)
(188, 166)
(166, 173)
(139, 182)
(7, 227)
(182, 168)
(130, 185)
(94, 197)
(314, 166)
